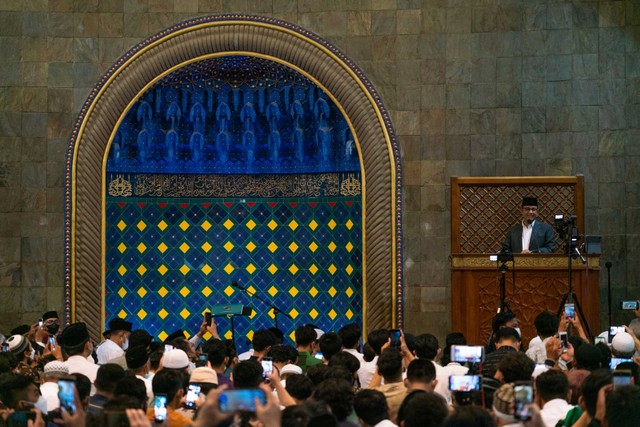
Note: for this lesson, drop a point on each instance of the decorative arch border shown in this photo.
(127, 77)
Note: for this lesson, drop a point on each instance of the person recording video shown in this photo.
(530, 236)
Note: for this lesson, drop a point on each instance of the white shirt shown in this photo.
(366, 371)
(107, 351)
(386, 423)
(527, 229)
(148, 386)
(452, 368)
(537, 350)
(79, 364)
(442, 388)
(355, 353)
(246, 355)
(49, 391)
(554, 411)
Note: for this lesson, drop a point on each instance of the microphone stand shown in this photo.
(608, 265)
(275, 308)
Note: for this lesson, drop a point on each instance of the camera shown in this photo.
(502, 256)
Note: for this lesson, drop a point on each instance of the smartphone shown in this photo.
(40, 323)
(613, 331)
(615, 361)
(207, 318)
(523, 394)
(395, 337)
(167, 348)
(5, 347)
(464, 382)
(621, 377)
(241, 399)
(66, 394)
(160, 408)
(598, 340)
(20, 418)
(565, 339)
(192, 395)
(570, 311)
(467, 353)
(52, 341)
(628, 305)
(267, 366)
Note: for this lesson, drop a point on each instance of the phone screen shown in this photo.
(160, 407)
(192, 396)
(615, 361)
(66, 394)
(207, 318)
(464, 382)
(467, 353)
(267, 366)
(523, 394)
(629, 305)
(565, 339)
(241, 399)
(621, 377)
(52, 341)
(395, 337)
(570, 310)
(613, 331)
(167, 348)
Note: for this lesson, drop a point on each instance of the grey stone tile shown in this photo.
(432, 46)
(458, 71)
(611, 14)
(483, 70)
(433, 96)
(432, 72)
(558, 167)
(535, 167)
(584, 118)
(408, 97)
(482, 122)
(483, 147)
(535, 17)
(559, 67)
(611, 169)
(611, 117)
(612, 65)
(407, 122)
(457, 168)
(484, 45)
(508, 120)
(407, 47)
(383, 47)
(483, 168)
(10, 74)
(34, 149)
(433, 146)
(508, 167)
(33, 299)
(560, 42)
(508, 95)
(35, 23)
(433, 198)
(458, 96)
(585, 14)
(457, 122)
(534, 146)
(510, 44)
(11, 98)
(35, 73)
(509, 146)
(34, 125)
(559, 15)
(586, 92)
(457, 147)
(611, 143)
(585, 66)
(409, 21)
(359, 23)
(60, 75)
(632, 64)
(458, 20)
(534, 68)
(383, 22)
(432, 172)
(509, 69)
(533, 94)
(432, 121)
(10, 123)
(458, 46)
(533, 119)
(34, 175)
(483, 19)
(10, 23)
(612, 40)
(558, 119)
(585, 40)
(558, 93)
(559, 145)
(434, 20)
(509, 17)
(135, 25)
(483, 95)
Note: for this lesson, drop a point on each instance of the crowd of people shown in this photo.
(53, 376)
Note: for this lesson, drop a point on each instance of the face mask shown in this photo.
(53, 328)
(41, 404)
(148, 375)
(519, 332)
(32, 354)
(125, 344)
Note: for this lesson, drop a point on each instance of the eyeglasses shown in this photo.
(529, 208)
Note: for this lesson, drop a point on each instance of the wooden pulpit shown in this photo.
(482, 211)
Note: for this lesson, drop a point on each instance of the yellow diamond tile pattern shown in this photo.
(181, 267)
(229, 268)
(251, 268)
(163, 336)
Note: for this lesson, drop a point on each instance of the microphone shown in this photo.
(608, 264)
(235, 285)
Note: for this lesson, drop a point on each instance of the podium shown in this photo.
(540, 282)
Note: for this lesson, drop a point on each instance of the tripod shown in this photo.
(568, 229)
(504, 307)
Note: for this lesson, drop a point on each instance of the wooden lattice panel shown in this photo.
(484, 208)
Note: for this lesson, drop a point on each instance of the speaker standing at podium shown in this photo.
(530, 236)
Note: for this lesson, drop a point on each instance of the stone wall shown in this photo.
(475, 88)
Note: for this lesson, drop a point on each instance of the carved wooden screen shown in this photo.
(482, 209)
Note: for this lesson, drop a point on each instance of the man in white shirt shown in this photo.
(350, 335)
(138, 362)
(118, 341)
(75, 342)
(530, 236)
(552, 395)
(426, 347)
(546, 324)
(49, 387)
(376, 340)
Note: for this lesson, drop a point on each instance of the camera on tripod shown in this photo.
(565, 225)
(502, 256)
